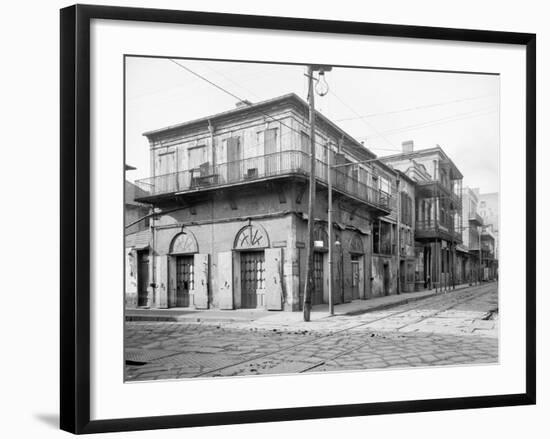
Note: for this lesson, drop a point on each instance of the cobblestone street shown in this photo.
(459, 327)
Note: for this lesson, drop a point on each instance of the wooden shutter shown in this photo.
(172, 281)
(225, 280)
(201, 268)
(273, 283)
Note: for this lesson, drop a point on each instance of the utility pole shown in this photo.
(330, 257)
(322, 90)
(309, 283)
(398, 237)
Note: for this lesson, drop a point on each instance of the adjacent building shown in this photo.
(137, 235)
(438, 212)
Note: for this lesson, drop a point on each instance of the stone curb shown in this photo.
(189, 319)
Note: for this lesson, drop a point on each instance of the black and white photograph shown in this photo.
(307, 218)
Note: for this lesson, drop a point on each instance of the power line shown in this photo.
(418, 107)
(244, 101)
(430, 123)
(362, 120)
(232, 81)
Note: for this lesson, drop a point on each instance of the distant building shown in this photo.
(489, 260)
(469, 262)
(489, 208)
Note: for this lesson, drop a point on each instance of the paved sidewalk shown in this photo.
(283, 318)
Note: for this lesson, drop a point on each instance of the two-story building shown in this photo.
(438, 216)
(229, 193)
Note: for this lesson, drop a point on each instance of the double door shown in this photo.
(252, 277)
(185, 277)
(318, 274)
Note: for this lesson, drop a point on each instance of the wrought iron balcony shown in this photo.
(291, 163)
(438, 189)
(432, 228)
(475, 218)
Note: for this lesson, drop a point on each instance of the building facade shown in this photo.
(469, 256)
(438, 213)
(137, 235)
(489, 209)
(229, 200)
(489, 260)
(227, 215)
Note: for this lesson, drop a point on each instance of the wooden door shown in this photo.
(184, 279)
(354, 277)
(270, 150)
(386, 279)
(200, 280)
(234, 160)
(252, 277)
(142, 277)
(225, 280)
(273, 279)
(317, 296)
(165, 172)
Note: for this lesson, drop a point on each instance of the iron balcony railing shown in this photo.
(475, 217)
(438, 187)
(291, 162)
(433, 226)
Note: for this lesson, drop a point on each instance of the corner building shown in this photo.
(229, 194)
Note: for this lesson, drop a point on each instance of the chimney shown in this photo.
(243, 103)
(408, 146)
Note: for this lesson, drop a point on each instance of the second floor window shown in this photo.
(197, 156)
(406, 209)
(382, 238)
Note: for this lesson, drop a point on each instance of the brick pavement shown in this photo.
(443, 330)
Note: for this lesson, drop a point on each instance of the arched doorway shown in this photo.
(249, 246)
(182, 269)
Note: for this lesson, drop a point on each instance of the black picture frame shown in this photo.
(75, 217)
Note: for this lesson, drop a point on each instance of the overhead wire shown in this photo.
(447, 119)
(363, 120)
(244, 101)
(418, 107)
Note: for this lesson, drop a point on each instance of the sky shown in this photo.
(382, 108)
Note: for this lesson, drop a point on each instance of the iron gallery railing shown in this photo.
(433, 225)
(261, 167)
(475, 217)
